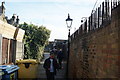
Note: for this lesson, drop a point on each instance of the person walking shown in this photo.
(60, 58)
(55, 51)
(51, 66)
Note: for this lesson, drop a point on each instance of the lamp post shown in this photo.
(69, 24)
(84, 23)
(83, 19)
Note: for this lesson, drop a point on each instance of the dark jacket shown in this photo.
(47, 63)
(60, 55)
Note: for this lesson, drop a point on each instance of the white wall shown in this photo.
(19, 50)
(7, 30)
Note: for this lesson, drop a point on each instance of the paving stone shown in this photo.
(61, 74)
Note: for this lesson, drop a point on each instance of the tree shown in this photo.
(35, 38)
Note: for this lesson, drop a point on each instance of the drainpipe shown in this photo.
(8, 51)
(0, 49)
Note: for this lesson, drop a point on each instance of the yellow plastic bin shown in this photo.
(28, 68)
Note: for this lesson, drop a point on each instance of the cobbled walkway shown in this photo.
(61, 74)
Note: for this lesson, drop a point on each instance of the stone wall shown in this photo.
(96, 54)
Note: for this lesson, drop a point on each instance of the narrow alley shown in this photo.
(89, 52)
(61, 74)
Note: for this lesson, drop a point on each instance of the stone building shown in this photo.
(11, 39)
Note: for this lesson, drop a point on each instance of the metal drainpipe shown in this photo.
(8, 51)
(0, 49)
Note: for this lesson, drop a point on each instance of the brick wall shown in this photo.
(96, 54)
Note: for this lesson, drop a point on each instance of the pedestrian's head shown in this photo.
(52, 55)
(60, 49)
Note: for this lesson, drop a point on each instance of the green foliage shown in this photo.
(36, 37)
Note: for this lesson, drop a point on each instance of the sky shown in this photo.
(51, 13)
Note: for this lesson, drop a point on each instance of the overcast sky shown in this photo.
(51, 13)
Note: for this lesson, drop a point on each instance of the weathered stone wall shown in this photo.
(96, 54)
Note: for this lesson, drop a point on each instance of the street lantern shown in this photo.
(83, 19)
(69, 22)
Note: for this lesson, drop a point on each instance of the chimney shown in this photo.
(17, 20)
(13, 17)
(3, 7)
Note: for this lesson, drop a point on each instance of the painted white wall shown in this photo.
(19, 50)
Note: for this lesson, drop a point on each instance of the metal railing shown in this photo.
(98, 18)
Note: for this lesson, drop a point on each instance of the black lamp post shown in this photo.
(69, 24)
(83, 19)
